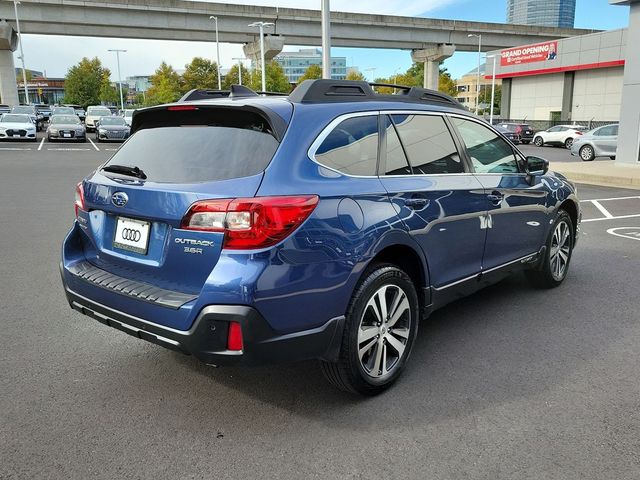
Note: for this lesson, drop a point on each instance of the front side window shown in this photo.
(489, 153)
(352, 147)
(428, 144)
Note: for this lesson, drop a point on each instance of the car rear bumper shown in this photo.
(207, 338)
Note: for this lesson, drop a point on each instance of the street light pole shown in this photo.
(479, 37)
(213, 17)
(24, 71)
(261, 26)
(239, 59)
(119, 76)
(326, 39)
(493, 88)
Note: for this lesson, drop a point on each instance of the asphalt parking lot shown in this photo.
(508, 383)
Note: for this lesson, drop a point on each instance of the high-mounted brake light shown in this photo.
(182, 107)
(249, 223)
(79, 198)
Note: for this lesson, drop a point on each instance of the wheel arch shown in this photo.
(571, 207)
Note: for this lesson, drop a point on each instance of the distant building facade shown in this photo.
(544, 13)
(467, 87)
(295, 64)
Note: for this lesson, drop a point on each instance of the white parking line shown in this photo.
(608, 199)
(94, 145)
(62, 149)
(14, 149)
(610, 218)
(41, 143)
(602, 210)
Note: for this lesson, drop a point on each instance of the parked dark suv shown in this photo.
(247, 229)
(522, 130)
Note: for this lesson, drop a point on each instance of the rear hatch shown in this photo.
(177, 155)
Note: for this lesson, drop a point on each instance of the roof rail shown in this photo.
(236, 91)
(329, 91)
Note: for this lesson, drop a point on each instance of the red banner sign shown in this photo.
(529, 54)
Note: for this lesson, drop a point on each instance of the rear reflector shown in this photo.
(250, 223)
(79, 198)
(234, 337)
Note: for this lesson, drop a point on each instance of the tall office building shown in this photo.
(295, 64)
(545, 13)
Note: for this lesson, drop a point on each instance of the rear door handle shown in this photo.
(416, 203)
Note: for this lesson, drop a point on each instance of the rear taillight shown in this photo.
(578, 133)
(79, 198)
(250, 223)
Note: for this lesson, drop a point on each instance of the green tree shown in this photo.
(233, 78)
(276, 80)
(200, 73)
(165, 86)
(83, 82)
(446, 84)
(108, 93)
(355, 75)
(313, 72)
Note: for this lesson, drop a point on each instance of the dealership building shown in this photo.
(592, 77)
(576, 79)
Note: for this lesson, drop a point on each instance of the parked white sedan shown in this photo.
(562, 135)
(17, 126)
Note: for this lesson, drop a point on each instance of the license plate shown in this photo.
(66, 135)
(132, 235)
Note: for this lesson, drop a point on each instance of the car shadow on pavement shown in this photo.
(505, 342)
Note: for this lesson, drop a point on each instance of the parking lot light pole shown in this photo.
(479, 37)
(239, 59)
(24, 71)
(326, 39)
(493, 87)
(214, 18)
(263, 67)
(119, 76)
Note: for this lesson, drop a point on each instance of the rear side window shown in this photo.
(396, 160)
(351, 147)
(192, 147)
(428, 144)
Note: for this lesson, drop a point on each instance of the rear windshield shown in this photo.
(189, 152)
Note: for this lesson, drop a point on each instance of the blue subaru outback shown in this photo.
(246, 229)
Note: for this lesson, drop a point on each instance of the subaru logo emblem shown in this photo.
(119, 199)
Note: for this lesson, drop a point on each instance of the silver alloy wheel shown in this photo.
(384, 329)
(538, 141)
(586, 153)
(568, 142)
(560, 250)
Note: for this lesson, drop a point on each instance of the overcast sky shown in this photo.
(55, 54)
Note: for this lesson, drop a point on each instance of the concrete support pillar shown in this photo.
(567, 96)
(432, 57)
(629, 131)
(273, 45)
(8, 83)
(505, 103)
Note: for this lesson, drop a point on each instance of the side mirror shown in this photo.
(536, 166)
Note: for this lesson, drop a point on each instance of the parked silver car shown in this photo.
(599, 142)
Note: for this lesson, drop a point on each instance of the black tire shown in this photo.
(538, 142)
(350, 373)
(526, 142)
(612, 157)
(586, 153)
(567, 143)
(545, 275)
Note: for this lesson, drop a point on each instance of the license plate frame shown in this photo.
(136, 243)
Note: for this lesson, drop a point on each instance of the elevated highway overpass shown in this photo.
(189, 20)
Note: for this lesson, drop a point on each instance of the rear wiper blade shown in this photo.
(125, 170)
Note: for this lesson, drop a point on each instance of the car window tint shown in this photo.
(397, 163)
(608, 130)
(614, 130)
(489, 153)
(428, 144)
(352, 147)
